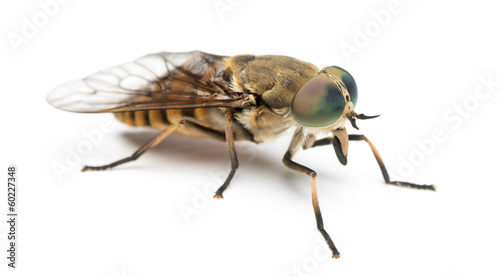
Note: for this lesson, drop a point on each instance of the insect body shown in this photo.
(245, 97)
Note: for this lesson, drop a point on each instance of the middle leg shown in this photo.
(232, 152)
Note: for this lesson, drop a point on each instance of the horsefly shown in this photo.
(239, 98)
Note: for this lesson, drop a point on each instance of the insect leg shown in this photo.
(287, 160)
(155, 141)
(232, 152)
(356, 137)
(322, 142)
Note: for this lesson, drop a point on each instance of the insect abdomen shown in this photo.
(149, 118)
(160, 119)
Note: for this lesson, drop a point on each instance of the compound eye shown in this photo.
(318, 103)
(347, 79)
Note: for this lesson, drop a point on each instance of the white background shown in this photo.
(427, 59)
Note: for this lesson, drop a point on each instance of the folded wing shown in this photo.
(155, 81)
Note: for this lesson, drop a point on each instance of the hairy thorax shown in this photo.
(274, 80)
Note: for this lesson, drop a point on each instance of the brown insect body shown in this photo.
(245, 98)
(254, 75)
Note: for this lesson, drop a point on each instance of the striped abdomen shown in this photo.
(211, 118)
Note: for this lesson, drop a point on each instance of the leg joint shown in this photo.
(183, 123)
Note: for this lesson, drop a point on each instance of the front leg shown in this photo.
(337, 145)
(296, 143)
(357, 137)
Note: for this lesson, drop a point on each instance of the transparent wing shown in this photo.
(155, 81)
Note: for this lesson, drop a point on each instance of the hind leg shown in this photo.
(154, 142)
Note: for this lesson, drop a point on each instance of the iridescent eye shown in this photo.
(347, 79)
(318, 103)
